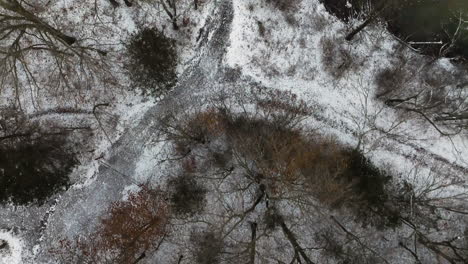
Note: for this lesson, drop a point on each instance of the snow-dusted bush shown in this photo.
(152, 62)
(188, 130)
(336, 59)
(373, 206)
(188, 196)
(336, 246)
(430, 93)
(221, 158)
(389, 80)
(320, 23)
(261, 28)
(32, 169)
(208, 247)
(272, 219)
(284, 5)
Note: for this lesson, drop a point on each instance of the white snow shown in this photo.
(128, 190)
(11, 254)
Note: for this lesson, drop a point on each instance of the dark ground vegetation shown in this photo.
(152, 62)
(31, 170)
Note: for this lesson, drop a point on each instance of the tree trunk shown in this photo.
(141, 257)
(172, 15)
(369, 20)
(128, 3)
(174, 24)
(196, 4)
(67, 39)
(292, 238)
(351, 35)
(15, 7)
(114, 3)
(253, 226)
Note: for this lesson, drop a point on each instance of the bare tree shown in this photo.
(132, 229)
(444, 106)
(170, 8)
(370, 19)
(375, 10)
(25, 36)
(268, 177)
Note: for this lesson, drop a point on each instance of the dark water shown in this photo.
(433, 20)
(417, 21)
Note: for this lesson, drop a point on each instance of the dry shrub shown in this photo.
(281, 108)
(343, 178)
(232, 74)
(336, 59)
(323, 164)
(207, 124)
(132, 227)
(439, 77)
(189, 165)
(200, 129)
(272, 219)
(334, 175)
(5, 248)
(135, 225)
(12, 121)
(291, 20)
(261, 29)
(376, 207)
(221, 159)
(272, 147)
(327, 240)
(186, 131)
(335, 247)
(389, 80)
(319, 23)
(270, 144)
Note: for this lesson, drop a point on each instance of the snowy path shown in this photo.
(78, 208)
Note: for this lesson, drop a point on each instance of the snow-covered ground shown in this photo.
(243, 43)
(12, 252)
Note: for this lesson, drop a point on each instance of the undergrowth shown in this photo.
(152, 62)
(277, 152)
(31, 170)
